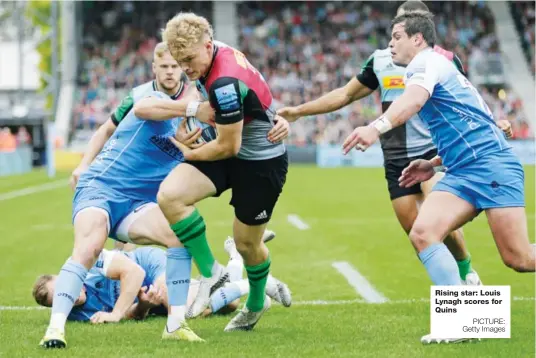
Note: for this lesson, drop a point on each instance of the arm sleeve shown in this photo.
(422, 72)
(122, 110)
(226, 96)
(367, 76)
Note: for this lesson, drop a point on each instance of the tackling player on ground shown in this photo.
(406, 143)
(241, 159)
(483, 173)
(146, 267)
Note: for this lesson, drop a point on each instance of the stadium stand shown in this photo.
(523, 12)
(303, 49)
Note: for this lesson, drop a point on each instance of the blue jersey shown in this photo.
(138, 156)
(461, 124)
(102, 292)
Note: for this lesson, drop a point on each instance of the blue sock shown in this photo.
(67, 289)
(178, 270)
(441, 265)
(223, 296)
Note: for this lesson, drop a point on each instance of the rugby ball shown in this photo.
(208, 133)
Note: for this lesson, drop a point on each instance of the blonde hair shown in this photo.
(160, 49)
(185, 30)
(40, 290)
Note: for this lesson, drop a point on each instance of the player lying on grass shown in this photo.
(116, 197)
(144, 268)
(483, 173)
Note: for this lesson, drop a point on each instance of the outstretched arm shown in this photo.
(358, 87)
(159, 107)
(331, 101)
(401, 110)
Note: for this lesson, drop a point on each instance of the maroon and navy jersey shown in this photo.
(237, 91)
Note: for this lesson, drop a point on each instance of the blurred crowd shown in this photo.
(303, 49)
(9, 141)
(117, 49)
(523, 13)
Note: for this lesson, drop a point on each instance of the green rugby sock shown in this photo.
(191, 232)
(257, 277)
(464, 266)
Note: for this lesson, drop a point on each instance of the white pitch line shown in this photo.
(297, 303)
(34, 189)
(297, 222)
(359, 282)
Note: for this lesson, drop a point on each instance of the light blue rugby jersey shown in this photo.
(102, 292)
(461, 124)
(138, 156)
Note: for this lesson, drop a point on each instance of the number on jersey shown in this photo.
(243, 62)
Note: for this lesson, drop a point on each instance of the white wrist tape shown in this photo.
(191, 108)
(382, 124)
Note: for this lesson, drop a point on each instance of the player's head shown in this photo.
(189, 39)
(43, 291)
(412, 6)
(166, 70)
(411, 33)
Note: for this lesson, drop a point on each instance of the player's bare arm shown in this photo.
(95, 145)
(226, 145)
(158, 109)
(401, 110)
(131, 276)
(331, 101)
(148, 297)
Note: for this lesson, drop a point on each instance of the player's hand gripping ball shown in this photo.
(208, 133)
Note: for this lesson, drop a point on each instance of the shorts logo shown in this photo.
(393, 82)
(495, 185)
(227, 98)
(262, 215)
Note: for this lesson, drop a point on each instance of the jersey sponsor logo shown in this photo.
(393, 82)
(227, 98)
(99, 264)
(165, 145)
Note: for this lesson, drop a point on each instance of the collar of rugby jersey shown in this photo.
(176, 95)
(214, 53)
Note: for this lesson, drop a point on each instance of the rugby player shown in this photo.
(240, 158)
(483, 173)
(404, 144)
(116, 197)
(145, 268)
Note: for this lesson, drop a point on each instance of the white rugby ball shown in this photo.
(208, 133)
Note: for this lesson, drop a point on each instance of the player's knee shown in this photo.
(521, 262)
(88, 254)
(245, 248)
(420, 238)
(169, 196)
